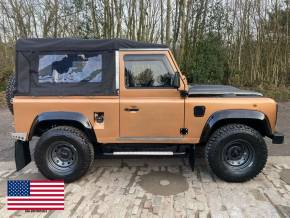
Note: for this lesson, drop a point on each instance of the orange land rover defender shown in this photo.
(121, 97)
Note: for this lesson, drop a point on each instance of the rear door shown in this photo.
(150, 108)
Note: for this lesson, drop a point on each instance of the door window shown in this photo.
(148, 71)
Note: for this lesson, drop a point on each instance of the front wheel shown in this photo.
(63, 153)
(236, 153)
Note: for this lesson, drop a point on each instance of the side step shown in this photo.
(190, 153)
(146, 153)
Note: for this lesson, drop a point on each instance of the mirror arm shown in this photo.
(183, 93)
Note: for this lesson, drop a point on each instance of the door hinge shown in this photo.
(183, 131)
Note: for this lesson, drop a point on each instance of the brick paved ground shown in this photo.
(131, 188)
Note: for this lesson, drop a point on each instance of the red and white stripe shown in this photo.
(44, 195)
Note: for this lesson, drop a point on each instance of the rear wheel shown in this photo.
(10, 90)
(236, 153)
(63, 153)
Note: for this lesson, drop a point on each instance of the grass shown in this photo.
(2, 99)
(2, 95)
(278, 93)
(2, 87)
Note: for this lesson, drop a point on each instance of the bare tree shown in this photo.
(245, 41)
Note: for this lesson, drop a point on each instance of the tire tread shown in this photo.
(70, 132)
(9, 92)
(226, 131)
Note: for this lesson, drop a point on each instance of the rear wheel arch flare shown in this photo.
(47, 120)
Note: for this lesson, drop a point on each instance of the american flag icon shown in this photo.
(35, 195)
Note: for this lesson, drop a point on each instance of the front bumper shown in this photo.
(277, 138)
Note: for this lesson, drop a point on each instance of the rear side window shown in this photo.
(148, 71)
(70, 68)
(66, 73)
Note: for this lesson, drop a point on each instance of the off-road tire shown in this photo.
(226, 137)
(69, 136)
(10, 90)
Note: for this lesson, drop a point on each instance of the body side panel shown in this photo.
(160, 112)
(156, 118)
(26, 109)
(196, 125)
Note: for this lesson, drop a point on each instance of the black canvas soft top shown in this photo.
(75, 44)
(47, 67)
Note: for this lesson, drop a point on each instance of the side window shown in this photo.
(148, 71)
(70, 68)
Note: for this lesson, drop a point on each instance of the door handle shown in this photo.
(131, 109)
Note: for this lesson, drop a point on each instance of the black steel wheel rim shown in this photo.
(238, 154)
(62, 157)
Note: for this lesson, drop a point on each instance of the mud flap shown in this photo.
(191, 157)
(22, 154)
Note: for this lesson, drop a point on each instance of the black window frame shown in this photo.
(27, 77)
(149, 55)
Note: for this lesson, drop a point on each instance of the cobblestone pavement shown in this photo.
(148, 188)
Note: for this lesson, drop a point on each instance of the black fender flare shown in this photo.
(237, 115)
(64, 118)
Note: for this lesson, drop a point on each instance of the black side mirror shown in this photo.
(176, 80)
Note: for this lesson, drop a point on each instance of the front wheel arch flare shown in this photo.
(255, 119)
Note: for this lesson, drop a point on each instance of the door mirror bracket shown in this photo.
(176, 84)
(183, 93)
(176, 80)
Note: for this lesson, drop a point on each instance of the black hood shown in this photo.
(218, 90)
